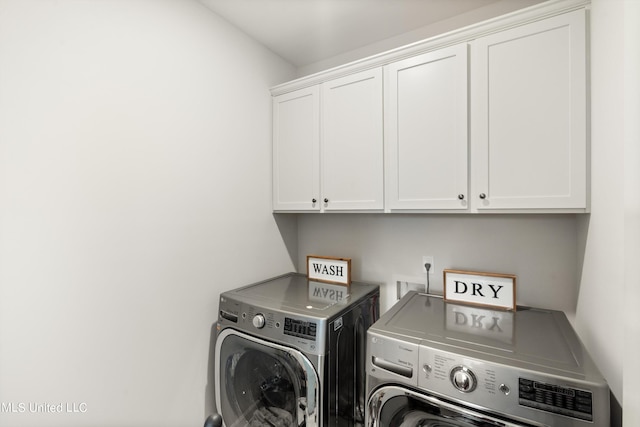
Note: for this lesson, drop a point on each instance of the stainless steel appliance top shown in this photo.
(542, 340)
(294, 311)
(293, 292)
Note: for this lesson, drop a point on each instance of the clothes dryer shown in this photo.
(434, 363)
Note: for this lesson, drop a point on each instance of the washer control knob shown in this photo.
(463, 379)
(259, 321)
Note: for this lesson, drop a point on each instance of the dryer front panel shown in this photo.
(399, 406)
(262, 383)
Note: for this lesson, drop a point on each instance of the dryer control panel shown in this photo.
(553, 398)
(392, 359)
(502, 388)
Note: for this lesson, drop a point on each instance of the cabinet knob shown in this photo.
(461, 196)
(326, 200)
(313, 201)
(483, 196)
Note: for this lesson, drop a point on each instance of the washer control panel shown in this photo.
(305, 333)
(300, 328)
(259, 321)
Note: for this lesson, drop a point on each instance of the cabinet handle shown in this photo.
(313, 201)
(461, 196)
(483, 196)
(326, 200)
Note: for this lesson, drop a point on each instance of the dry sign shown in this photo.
(329, 270)
(485, 289)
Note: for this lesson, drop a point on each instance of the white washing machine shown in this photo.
(290, 352)
(434, 363)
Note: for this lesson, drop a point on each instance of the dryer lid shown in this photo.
(541, 337)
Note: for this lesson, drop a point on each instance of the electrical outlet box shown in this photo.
(403, 287)
(428, 259)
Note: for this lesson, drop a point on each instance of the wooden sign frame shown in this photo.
(493, 290)
(329, 269)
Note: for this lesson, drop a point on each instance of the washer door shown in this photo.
(393, 406)
(263, 384)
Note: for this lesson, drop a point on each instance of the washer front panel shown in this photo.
(258, 380)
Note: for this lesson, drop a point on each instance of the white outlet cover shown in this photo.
(428, 259)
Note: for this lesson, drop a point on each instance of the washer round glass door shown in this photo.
(393, 406)
(262, 383)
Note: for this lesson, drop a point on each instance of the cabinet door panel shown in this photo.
(352, 151)
(296, 139)
(426, 134)
(530, 116)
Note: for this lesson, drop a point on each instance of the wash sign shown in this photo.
(483, 289)
(329, 270)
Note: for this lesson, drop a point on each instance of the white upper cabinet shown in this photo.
(529, 117)
(327, 146)
(426, 132)
(492, 118)
(351, 146)
(296, 150)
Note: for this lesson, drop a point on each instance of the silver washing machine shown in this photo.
(434, 363)
(290, 352)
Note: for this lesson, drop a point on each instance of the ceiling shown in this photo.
(304, 32)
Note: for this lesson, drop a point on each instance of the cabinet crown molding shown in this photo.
(465, 34)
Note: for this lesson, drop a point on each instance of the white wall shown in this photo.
(135, 146)
(609, 277)
(599, 307)
(631, 393)
(540, 250)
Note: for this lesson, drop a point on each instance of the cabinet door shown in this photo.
(426, 135)
(296, 150)
(352, 151)
(529, 116)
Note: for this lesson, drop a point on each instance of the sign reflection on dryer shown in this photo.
(492, 324)
(328, 293)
